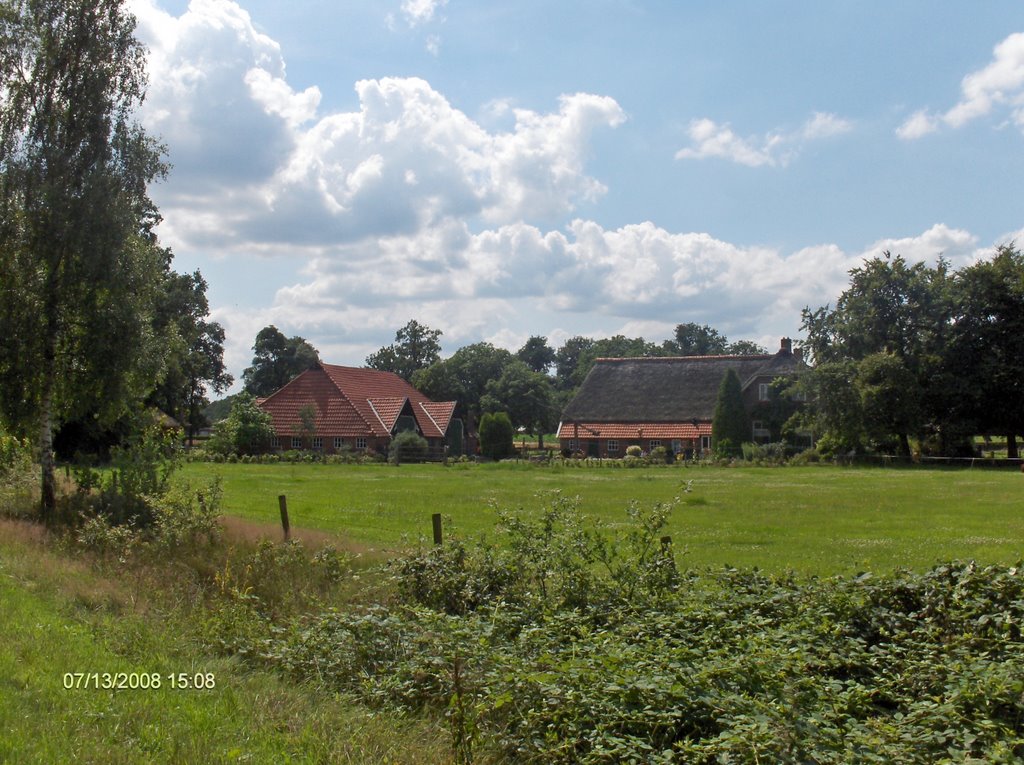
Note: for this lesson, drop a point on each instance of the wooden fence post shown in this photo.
(283, 502)
(436, 520)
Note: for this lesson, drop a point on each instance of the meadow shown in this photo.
(819, 520)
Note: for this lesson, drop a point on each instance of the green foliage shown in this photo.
(277, 360)
(408, 446)
(496, 435)
(78, 253)
(537, 354)
(730, 426)
(416, 347)
(17, 476)
(526, 396)
(247, 429)
(564, 644)
(464, 376)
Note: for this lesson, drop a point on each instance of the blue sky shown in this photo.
(497, 170)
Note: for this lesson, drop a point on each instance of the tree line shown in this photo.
(920, 352)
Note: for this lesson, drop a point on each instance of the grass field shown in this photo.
(59, 614)
(817, 520)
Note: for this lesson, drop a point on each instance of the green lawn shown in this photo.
(818, 520)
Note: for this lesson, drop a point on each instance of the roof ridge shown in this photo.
(751, 356)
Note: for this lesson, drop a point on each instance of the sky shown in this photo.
(498, 170)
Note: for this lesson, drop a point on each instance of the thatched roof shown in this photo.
(677, 389)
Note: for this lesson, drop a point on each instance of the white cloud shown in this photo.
(419, 12)
(999, 85)
(773, 149)
(254, 162)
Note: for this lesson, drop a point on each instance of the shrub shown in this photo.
(246, 430)
(408, 446)
(634, 451)
(17, 476)
(496, 434)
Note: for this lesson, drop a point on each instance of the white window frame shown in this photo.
(573, 445)
(296, 442)
(361, 442)
(318, 443)
(763, 391)
(275, 442)
(653, 444)
(705, 443)
(339, 443)
(612, 446)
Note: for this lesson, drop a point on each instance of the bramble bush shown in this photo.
(569, 645)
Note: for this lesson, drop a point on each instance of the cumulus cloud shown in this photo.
(997, 87)
(257, 165)
(417, 12)
(778, 148)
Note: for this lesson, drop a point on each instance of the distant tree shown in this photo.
(416, 347)
(306, 429)
(496, 435)
(984, 365)
(248, 429)
(78, 253)
(527, 397)
(745, 348)
(567, 360)
(730, 427)
(194, 351)
(890, 398)
(277, 361)
(464, 376)
(537, 354)
(219, 409)
(618, 346)
(697, 340)
(891, 308)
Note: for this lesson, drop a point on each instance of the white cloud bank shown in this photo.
(408, 208)
(999, 86)
(778, 148)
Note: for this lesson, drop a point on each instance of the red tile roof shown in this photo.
(351, 402)
(635, 430)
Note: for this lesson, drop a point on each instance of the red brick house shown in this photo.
(331, 409)
(669, 402)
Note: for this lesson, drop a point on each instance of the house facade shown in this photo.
(333, 409)
(669, 402)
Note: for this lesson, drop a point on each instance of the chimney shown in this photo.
(787, 346)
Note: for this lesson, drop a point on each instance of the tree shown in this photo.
(526, 396)
(277, 361)
(896, 309)
(697, 340)
(80, 261)
(195, 350)
(567, 359)
(464, 376)
(730, 427)
(890, 398)
(416, 347)
(247, 430)
(745, 348)
(537, 354)
(496, 434)
(985, 362)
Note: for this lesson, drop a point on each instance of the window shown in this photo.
(318, 443)
(339, 443)
(705, 443)
(275, 443)
(677, 445)
(296, 442)
(361, 443)
(613, 446)
(760, 432)
(572, 445)
(762, 391)
(654, 444)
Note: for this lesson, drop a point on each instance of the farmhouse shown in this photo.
(668, 402)
(332, 409)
